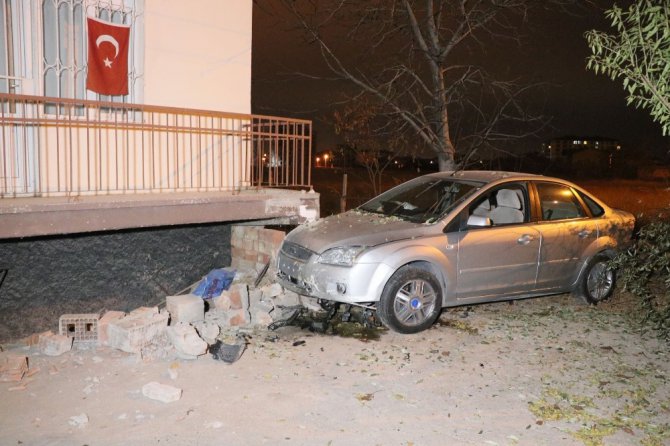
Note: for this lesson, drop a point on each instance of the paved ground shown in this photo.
(539, 372)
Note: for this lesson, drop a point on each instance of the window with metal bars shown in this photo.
(64, 46)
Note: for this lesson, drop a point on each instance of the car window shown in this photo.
(595, 208)
(558, 202)
(504, 206)
(423, 200)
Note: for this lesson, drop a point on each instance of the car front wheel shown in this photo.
(597, 281)
(411, 301)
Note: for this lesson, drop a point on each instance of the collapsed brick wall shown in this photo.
(188, 327)
(124, 270)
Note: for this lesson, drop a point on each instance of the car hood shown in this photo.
(353, 228)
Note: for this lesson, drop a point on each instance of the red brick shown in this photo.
(237, 252)
(277, 237)
(238, 319)
(235, 299)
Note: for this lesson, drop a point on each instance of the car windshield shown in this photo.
(422, 200)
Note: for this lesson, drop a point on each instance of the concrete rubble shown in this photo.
(185, 308)
(186, 341)
(185, 326)
(161, 392)
(189, 325)
(54, 344)
(79, 421)
(137, 329)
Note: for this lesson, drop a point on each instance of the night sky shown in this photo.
(554, 51)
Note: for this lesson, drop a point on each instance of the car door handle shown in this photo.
(584, 233)
(524, 239)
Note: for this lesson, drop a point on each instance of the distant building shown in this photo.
(566, 147)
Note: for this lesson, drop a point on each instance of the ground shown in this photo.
(546, 371)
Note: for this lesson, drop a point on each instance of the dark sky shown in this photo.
(554, 51)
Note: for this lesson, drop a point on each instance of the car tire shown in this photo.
(597, 281)
(411, 300)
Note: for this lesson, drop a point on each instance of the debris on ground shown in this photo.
(207, 330)
(185, 308)
(342, 320)
(186, 341)
(137, 329)
(54, 344)
(212, 314)
(161, 392)
(215, 282)
(79, 327)
(79, 421)
(12, 367)
(228, 353)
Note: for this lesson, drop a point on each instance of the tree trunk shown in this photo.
(445, 162)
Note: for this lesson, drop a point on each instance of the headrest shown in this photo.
(508, 198)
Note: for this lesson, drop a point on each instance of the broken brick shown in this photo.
(137, 329)
(185, 308)
(103, 325)
(186, 341)
(54, 344)
(161, 392)
(12, 367)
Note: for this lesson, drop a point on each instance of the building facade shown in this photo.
(183, 135)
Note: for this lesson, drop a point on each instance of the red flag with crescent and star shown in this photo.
(107, 57)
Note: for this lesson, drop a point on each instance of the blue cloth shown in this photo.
(213, 284)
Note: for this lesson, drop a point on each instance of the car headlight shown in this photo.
(343, 256)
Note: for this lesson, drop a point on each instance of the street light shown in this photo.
(325, 160)
(318, 160)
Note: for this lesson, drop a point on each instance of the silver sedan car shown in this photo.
(458, 238)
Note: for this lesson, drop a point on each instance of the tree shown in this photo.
(366, 135)
(638, 53)
(420, 61)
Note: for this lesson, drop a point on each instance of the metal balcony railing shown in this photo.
(67, 147)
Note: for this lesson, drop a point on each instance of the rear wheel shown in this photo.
(597, 281)
(411, 300)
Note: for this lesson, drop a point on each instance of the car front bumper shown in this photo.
(360, 283)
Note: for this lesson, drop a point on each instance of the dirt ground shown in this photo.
(547, 371)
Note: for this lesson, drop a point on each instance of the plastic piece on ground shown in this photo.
(214, 283)
(228, 353)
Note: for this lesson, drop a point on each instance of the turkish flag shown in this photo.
(107, 57)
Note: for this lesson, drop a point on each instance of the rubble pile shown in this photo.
(214, 317)
(187, 326)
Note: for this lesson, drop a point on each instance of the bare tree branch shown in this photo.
(413, 62)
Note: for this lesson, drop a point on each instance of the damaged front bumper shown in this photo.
(360, 283)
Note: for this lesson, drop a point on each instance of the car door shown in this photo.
(498, 260)
(566, 229)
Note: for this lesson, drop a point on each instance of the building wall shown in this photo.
(252, 247)
(198, 54)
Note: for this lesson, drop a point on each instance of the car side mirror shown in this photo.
(479, 222)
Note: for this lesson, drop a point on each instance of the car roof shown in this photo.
(485, 176)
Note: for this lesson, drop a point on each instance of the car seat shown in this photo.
(508, 210)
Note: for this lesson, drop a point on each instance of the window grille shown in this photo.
(64, 60)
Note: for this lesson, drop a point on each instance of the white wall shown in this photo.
(198, 54)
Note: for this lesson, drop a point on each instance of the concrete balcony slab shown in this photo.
(29, 217)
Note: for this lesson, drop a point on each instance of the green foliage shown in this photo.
(644, 270)
(639, 53)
